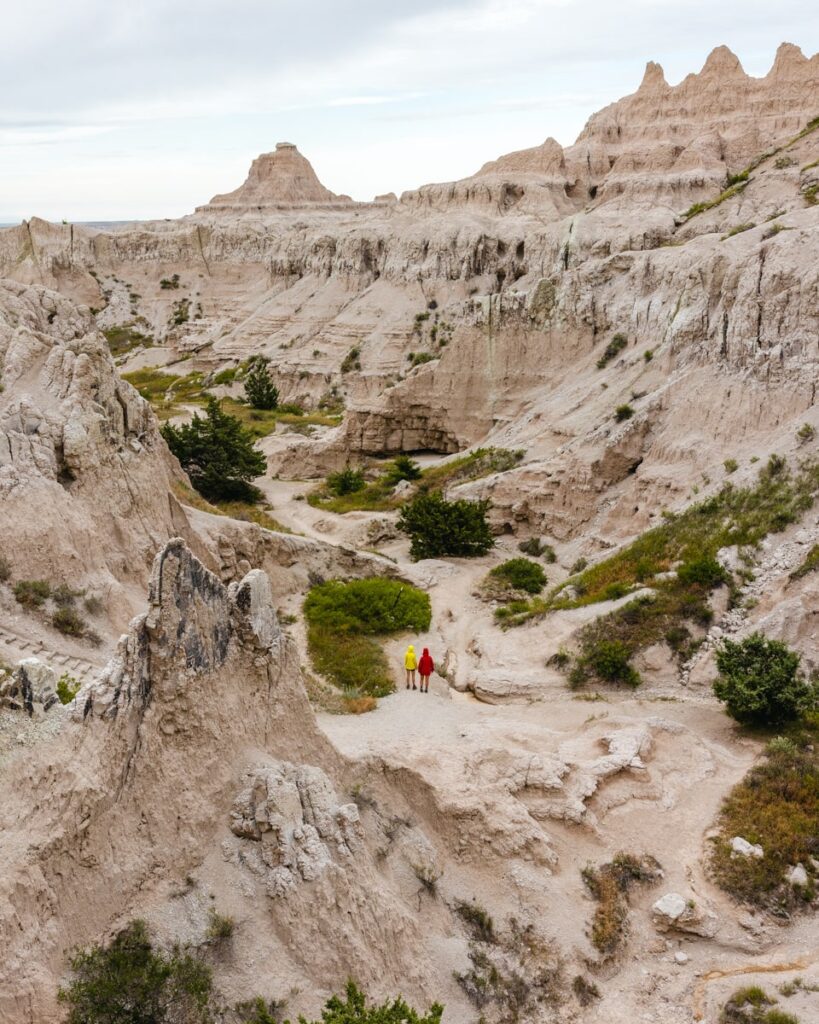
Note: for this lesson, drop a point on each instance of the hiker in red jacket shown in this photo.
(425, 669)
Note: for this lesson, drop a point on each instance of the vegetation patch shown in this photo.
(753, 1005)
(738, 229)
(537, 548)
(344, 620)
(438, 528)
(811, 564)
(260, 391)
(776, 806)
(377, 495)
(513, 975)
(131, 980)
(355, 1010)
(686, 545)
(740, 183)
(614, 347)
(610, 885)
(760, 683)
(124, 338)
(218, 455)
(68, 687)
(247, 511)
(520, 574)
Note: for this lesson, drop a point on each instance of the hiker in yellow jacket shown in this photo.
(410, 664)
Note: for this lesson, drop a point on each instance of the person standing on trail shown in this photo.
(426, 667)
(410, 664)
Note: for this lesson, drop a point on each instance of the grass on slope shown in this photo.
(168, 393)
(686, 543)
(235, 509)
(377, 496)
(345, 620)
(775, 806)
(737, 182)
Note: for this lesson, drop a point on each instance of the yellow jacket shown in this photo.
(410, 662)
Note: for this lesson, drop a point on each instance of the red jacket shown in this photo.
(426, 665)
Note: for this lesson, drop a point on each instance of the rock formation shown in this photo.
(279, 179)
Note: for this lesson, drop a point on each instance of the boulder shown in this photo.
(674, 912)
(797, 875)
(745, 849)
(31, 686)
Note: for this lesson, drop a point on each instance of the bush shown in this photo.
(5, 570)
(805, 433)
(403, 468)
(759, 681)
(346, 481)
(68, 621)
(32, 593)
(168, 284)
(535, 547)
(129, 982)
(67, 688)
(220, 926)
(609, 660)
(704, 571)
(342, 618)
(352, 361)
(648, 355)
(610, 885)
(437, 527)
(731, 465)
(615, 346)
(260, 391)
(354, 1010)
(751, 1005)
(477, 920)
(218, 455)
(521, 574)
(259, 1011)
(623, 412)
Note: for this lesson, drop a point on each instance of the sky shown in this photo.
(119, 110)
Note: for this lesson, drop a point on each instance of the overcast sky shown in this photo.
(146, 108)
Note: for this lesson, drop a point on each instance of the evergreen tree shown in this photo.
(218, 455)
(260, 391)
(438, 527)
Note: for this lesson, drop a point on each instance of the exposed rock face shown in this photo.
(84, 474)
(31, 686)
(281, 178)
(148, 782)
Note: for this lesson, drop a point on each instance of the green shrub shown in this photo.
(609, 660)
(477, 920)
(68, 621)
(759, 681)
(220, 926)
(752, 1005)
(259, 1011)
(704, 571)
(648, 355)
(731, 465)
(129, 982)
(167, 284)
(521, 574)
(437, 527)
(5, 569)
(342, 618)
(352, 361)
(805, 433)
(615, 346)
(64, 595)
(811, 564)
(623, 412)
(67, 688)
(260, 391)
(218, 455)
(354, 1010)
(403, 468)
(32, 593)
(346, 481)
(535, 547)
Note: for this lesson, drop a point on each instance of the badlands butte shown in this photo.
(616, 346)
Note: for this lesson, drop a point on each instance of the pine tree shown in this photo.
(218, 455)
(260, 391)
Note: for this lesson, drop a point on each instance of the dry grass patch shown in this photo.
(610, 885)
